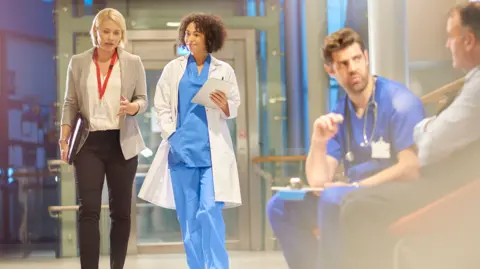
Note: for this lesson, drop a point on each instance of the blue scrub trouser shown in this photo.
(293, 223)
(329, 209)
(200, 218)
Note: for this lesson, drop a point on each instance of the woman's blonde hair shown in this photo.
(109, 14)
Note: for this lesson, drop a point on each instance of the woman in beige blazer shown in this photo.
(106, 86)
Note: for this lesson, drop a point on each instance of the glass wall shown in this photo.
(33, 62)
(29, 135)
(33, 59)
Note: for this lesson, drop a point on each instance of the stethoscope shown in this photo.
(349, 154)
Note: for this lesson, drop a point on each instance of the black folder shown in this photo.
(75, 137)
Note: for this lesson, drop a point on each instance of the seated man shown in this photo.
(370, 130)
(449, 152)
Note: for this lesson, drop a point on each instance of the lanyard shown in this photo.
(102, 88)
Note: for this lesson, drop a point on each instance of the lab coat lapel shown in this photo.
(213, 65)
(183, 62)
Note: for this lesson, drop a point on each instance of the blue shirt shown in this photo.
(190, 144)
(399, 110)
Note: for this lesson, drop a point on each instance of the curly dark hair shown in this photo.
(208, 24)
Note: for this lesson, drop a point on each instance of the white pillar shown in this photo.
(387, 35)
(318, 80)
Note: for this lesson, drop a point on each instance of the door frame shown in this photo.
(250, 214)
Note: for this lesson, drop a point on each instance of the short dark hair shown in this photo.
(208, 24)
(469, 16)
(340, 40)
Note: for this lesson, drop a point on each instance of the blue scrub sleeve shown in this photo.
(408, 112)
(335, 145)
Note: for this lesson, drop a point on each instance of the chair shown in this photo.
(438, 236)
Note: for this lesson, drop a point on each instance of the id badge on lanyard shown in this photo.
(380, 149)
(100, 110)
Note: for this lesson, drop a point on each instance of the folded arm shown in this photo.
(407, 168)
(453, 129)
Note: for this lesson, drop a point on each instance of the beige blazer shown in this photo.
(133, 87)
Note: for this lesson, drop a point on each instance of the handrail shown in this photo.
(432, 97)
(34, 174)
(440, 93)
(55, 210)
(270, 159)
(69, 208)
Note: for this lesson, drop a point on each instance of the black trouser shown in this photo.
(101, 156)
(367, 214)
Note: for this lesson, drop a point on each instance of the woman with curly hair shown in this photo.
(195, 164)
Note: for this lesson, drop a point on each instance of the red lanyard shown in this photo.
(102, 88)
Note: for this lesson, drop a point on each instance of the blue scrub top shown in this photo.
(399, 110)
(190, 144)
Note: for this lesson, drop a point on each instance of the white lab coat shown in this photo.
(157, 186)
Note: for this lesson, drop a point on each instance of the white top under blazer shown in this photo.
(110, 100)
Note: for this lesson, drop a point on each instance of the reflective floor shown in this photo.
(239, 260)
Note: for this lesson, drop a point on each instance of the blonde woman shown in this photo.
(106, 86)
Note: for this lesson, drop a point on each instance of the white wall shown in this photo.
(430, 61)
(426, 22)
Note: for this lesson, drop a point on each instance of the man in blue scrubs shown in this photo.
(370, 131)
